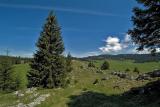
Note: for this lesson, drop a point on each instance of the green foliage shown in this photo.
(136, 70)
(127, 70)
(15, 60)
(68, 68)
(146, 21)
(105, 65)
(69, 63)
(7, 83)
(20, 74)
(96, 81)
(48, 67)
(91, 64)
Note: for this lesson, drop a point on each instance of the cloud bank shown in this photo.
(112, 45)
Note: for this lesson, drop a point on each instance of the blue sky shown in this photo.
(89, 27)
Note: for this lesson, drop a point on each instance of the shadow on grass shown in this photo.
(132, 98)
(93, 99)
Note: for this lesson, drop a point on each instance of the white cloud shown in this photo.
(127, 38)
(85, 54)
(126, 41)
(112, 45)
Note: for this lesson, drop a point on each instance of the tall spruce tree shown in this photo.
(48, 67)
(146, 21)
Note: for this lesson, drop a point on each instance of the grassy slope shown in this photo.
(77, 94)
(123, 65)
(20, 72)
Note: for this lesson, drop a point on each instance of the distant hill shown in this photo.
(137, 57)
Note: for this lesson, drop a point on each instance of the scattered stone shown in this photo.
(143, 77)
(104, 78)
(21, 105)
(18, 94)
(131, 77)
(155, 73)
(120, 74)
(149, 75)
(99, 71)
(116, 87)
(148, 89)
(36, 101)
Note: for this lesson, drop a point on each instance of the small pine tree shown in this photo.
(136, 70)
(6, 81)
(69, 63)
(91, 64)
(68, 69)
(48, 65)
(105, 65)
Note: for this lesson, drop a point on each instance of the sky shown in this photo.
(89, 27)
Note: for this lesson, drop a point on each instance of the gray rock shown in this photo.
(21, 105)
(143, 77)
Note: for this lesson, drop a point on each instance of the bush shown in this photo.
(96, 81)
(91, 64)
(75, 81)
(105, 65)
(81, 67)
(136, 70)
(127, 70)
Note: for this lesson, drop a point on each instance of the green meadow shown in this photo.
(82, 92)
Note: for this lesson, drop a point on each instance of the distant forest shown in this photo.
(138, 58)
(15, 60)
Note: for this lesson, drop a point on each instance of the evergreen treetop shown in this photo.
(146, 21)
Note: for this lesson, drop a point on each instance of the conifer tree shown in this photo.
(6, 81)
(68, 69)
(69, 63)
(146, 21)
(48, 67)
(136, 70)
(91, 64)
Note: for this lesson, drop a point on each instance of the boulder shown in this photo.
(143, 77)
(104, 78)
(155, 73)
